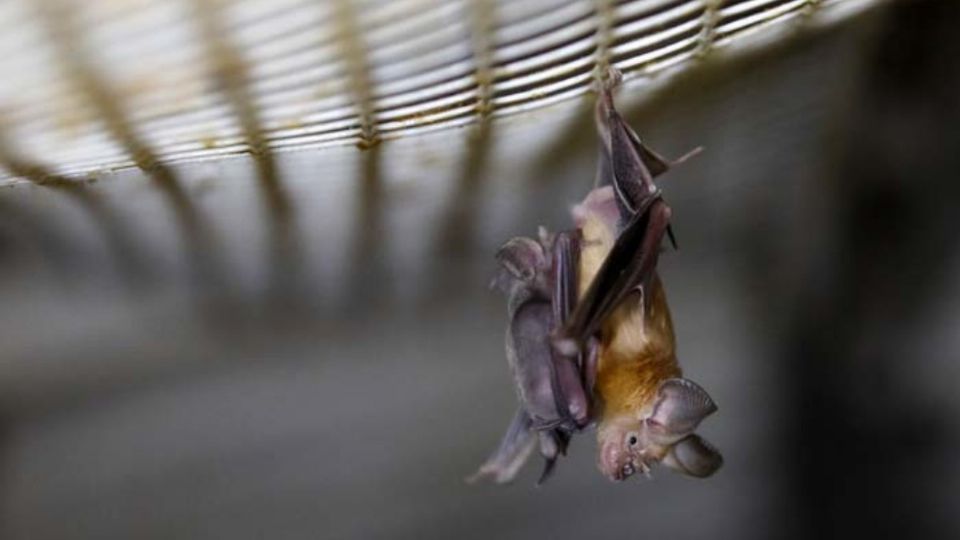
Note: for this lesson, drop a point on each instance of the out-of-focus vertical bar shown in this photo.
(367, 282)
(350, 37)
(711, 15)
(482, 32)
(606, 21)
(457, 229)
(231, 71)
(76, 61)
(59, 17)
(132, 268)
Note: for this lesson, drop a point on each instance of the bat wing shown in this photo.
(630, 167)
(630, 265)
(572, 384)
(566, 249)
(625, 162)
(514, 450)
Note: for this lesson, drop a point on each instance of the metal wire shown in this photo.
(92, 86)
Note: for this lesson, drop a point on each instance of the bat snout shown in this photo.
(616, 463)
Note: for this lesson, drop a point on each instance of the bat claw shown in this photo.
(610, 79)
(673, 238)
(548, 466)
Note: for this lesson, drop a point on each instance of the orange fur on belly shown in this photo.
(637, 349)
(636, 354)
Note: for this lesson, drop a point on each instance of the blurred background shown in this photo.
(244, 255)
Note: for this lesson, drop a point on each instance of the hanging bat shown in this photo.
(590, 340)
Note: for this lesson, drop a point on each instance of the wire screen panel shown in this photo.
(92, 86)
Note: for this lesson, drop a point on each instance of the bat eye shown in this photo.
(632, 439)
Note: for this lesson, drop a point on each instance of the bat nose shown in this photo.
(617, 462)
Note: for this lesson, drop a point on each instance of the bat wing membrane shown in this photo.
(630, 264)
(630, 167)
(514, 450)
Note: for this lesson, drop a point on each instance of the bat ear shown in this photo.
(694, 456)
(681, 406)
(522, 257)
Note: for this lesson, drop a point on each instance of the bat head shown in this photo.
(524, 262)
(625, 448)
(662, 433)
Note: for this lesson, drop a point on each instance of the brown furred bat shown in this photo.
(590, 339)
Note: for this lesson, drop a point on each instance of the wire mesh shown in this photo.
(91, 87)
